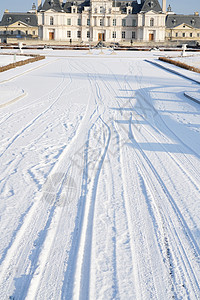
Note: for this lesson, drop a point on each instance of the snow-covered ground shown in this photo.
(99, 179)
(191, 59)
(9, 59)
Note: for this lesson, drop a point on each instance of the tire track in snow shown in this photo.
(17, 135)
(28, 220)
(188, 266)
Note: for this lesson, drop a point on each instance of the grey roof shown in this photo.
(176, 20)
(28, 18)
(123, 4)
(52, 4)
(79, 3)
(151, 5)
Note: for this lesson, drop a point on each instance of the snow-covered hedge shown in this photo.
(179, 64)
(21, 63)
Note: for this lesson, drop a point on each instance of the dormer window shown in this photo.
(9, 19)
(151, 4)
(192, 22)
(174, 21)
(28, 20)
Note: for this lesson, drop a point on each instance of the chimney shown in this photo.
(164, 6)
(39, 4)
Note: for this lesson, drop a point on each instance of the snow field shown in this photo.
(99, 181)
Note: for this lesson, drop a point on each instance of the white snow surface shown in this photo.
(99, 179)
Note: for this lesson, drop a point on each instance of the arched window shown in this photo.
(51, 20)
(151, 22)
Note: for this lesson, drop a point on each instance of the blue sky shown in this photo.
(178, 6)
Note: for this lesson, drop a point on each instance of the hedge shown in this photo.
(179, 64)
(21, 63)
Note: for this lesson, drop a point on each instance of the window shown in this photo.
(33, 32)
(51, 20)
(151, 4)
(88, 22)
(198, 34)
(9, 19)
(18, 32)
(95, 10)
(26, 32)
(79, 34)
(28, 20)
(101, 22)
(129, 11)
(151, 22)
(88, 34)
(79, 22)
(123, 22)
(134, 22)
(101, 9)
(190, 34)
(133, 34)
(123, 34)
(74, 10)
(114, 22)
(176, 34)
(68, 34)
(114, 35)
(68, 21)
(11, 31)
(183, 34)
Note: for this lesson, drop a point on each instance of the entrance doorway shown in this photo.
(101, 37)
(151, 37)
(51, 35)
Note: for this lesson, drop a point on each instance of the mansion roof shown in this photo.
(176, 20)
(28, 18)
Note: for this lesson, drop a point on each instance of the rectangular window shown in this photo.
(11, 31)
(26, 32)
(88, 22)
(114, 22)
(133, 34)
(101, 22)
(184, 34)
(88, 34)
(33, 32)
(79, 22)
(68, 34)
(176, 34)
(101, 9)
(79, 34)
(68, 21)
(190, 34)
(18, 31)
(124, 22)
(198, 34)
(114, 35)
(134, 23)
(123, 34)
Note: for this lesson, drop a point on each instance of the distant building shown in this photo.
(109, 21)
(105, 20)
(15, 26)
(183, 28)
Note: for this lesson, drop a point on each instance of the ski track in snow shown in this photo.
(99, 214)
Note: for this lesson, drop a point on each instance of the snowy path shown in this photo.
(99, 181)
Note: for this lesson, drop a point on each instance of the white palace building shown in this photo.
(91, 21)
(101, 20)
